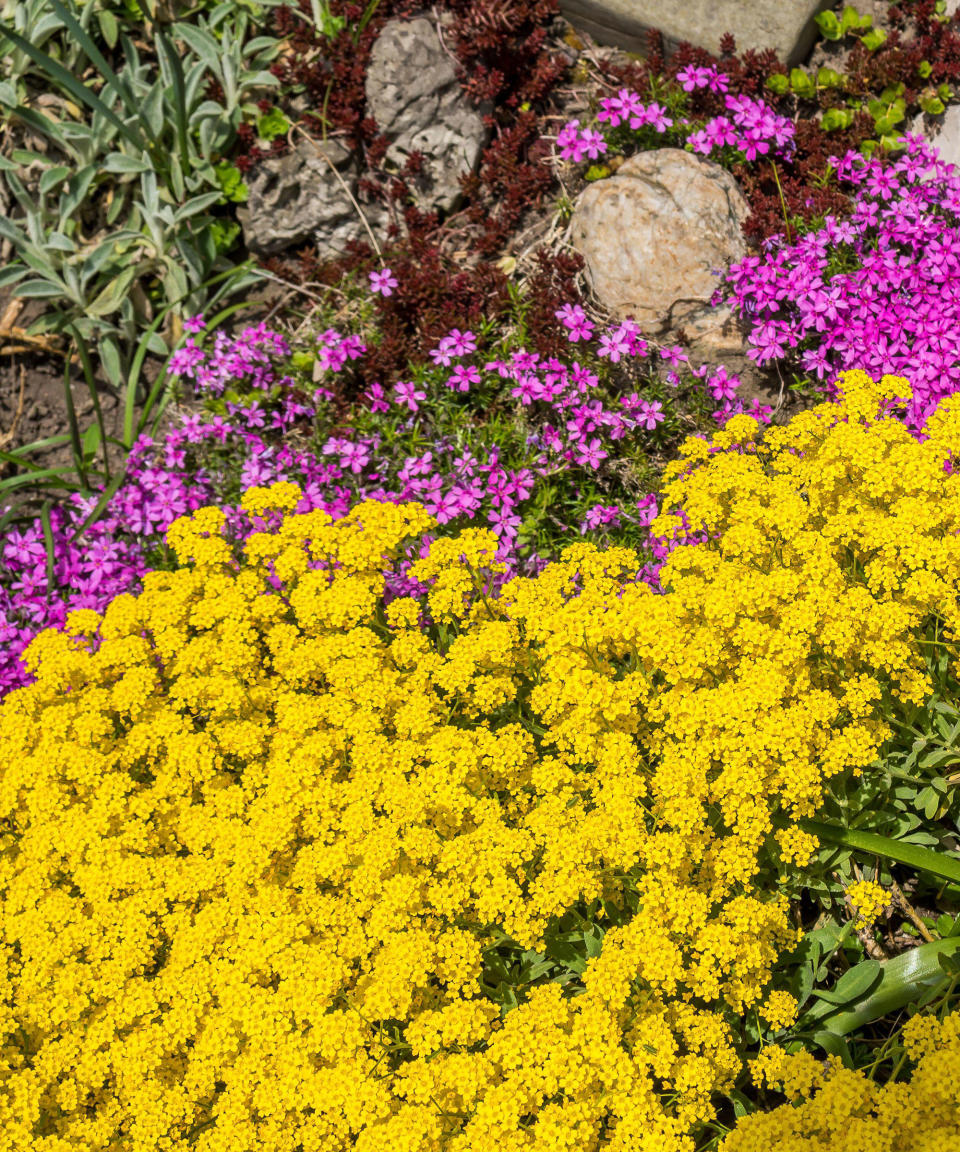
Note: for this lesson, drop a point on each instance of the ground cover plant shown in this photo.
(475, 867)
(433, 733)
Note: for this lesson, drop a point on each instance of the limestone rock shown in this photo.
(414, 96)
(784, 25)
(298, 199)
(657, 235)
(943, 132)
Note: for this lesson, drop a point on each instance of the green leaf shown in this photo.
(109, 27)
(231, 181)
(852, 21)
(853, 984)
(920, 859)
(933, 106)
(905, 979)
(828, 78)
(778, 83)
(802, 84)
(836, 118)
(272, 125)
(924, 69)
(829, 25)
(874, 39)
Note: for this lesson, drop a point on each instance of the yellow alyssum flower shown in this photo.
(255, 842)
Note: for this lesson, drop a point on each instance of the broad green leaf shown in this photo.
(905, 978)
(853, 984)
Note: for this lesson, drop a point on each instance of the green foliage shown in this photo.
(850, 22)
(118, 180)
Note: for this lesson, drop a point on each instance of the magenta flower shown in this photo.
(407, 393)
(383, 282)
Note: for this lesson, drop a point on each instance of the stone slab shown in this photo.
(787, 26)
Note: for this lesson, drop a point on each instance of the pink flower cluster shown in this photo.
(879, 290)
(576, 143)
(751, 126)
(627, 108)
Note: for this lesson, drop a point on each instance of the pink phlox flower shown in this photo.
(591, 454)
(377, 400)
(462, 377)
(383, 282)
(407, 393)
(576, 321)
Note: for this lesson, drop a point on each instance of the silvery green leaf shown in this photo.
(53, 177)
(40, 289)
(195, 78)
(25, 156)
(191, 257)
(108, 26)
(60, 242)
(76, 192)
(8, 94)
(151, 194)
(124, 163)
(196, 205)
(110, 298)
(175, 175)
(152, 110)
(202, 43)
(262, 44)
(12, 273)
(260, 80)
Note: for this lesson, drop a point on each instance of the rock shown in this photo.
(787, 26)
(414, 96)
(657, 235)
(943, 132)
(298, 198)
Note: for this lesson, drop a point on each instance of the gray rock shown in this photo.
(415, 98)
(943, 132)
(297, 199)
(784, 25)
(657, 235)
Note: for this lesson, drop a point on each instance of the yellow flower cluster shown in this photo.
(868, 899)
(835, 1109)
(255, 841)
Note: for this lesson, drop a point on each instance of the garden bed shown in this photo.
(452, 698)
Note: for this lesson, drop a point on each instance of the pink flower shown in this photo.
(383, 282)
(377, 399)
(575, 320)
(194, 323)
(462, 377)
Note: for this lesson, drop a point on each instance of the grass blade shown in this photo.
(96, 57)
(921, 859)
(76, 441)
(94, 391)
(48, 544)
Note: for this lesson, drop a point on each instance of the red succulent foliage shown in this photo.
(506, 66)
